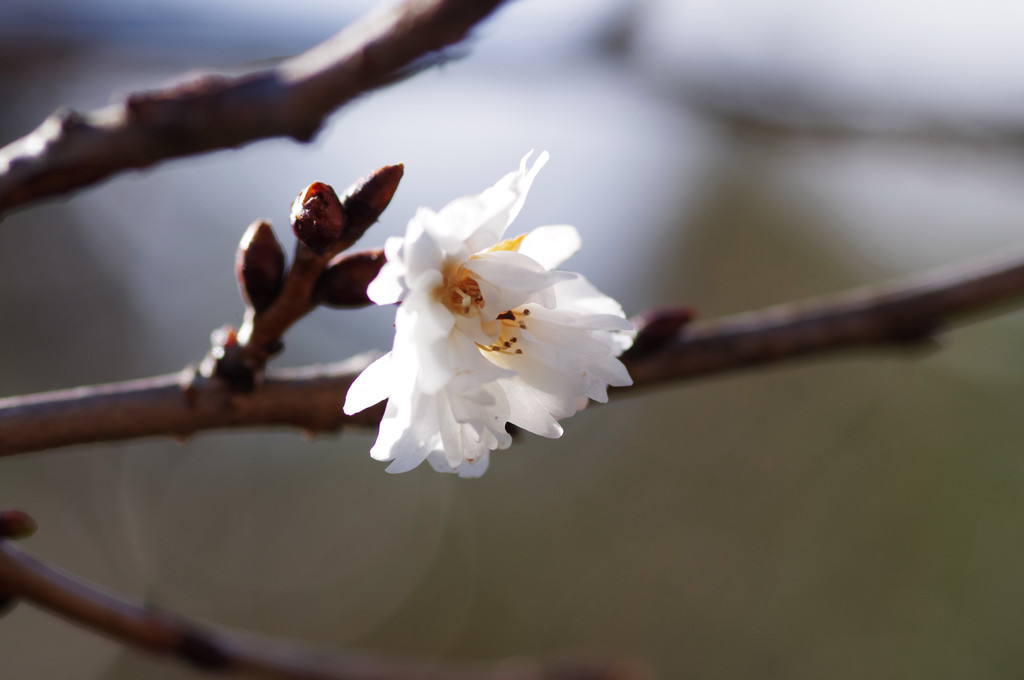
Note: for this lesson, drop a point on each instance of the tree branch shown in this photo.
(668, 348)
(900, 313)
(71, 150)
(24, 577)
(179, 405)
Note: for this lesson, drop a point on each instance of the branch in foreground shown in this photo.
(24, 577)
(667, 349)
(70, 150)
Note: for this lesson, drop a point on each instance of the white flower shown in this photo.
(487, 333)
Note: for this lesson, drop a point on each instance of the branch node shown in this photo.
(187, 378)
(7, 603)
(197, 649)
(68, 120)
(230, 362)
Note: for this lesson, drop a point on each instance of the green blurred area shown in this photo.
(843, 517)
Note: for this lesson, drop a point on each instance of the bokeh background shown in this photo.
(849, 517)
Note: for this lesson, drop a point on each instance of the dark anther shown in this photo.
(507, 316)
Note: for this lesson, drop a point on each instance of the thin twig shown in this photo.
(71, 150)
(900, 313)
(24, 577)
(320, 273)
(325, 227)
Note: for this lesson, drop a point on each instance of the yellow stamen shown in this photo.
(508, 244)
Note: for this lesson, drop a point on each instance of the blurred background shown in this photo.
(849, 517)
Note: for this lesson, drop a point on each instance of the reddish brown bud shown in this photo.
(259, 266)
(318, 220)
(654, 329)
(345, 281)
(366, 199)
(16, 524)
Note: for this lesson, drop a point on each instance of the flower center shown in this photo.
(460, 292)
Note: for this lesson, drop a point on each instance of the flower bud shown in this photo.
(259, 266)
(366, 199)
(318, 219)
(655, 329)
(16, 524)
(345, 281)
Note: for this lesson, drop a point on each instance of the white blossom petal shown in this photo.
(421, 312)
(371, 387)
(499, 205)
(537, 411)
(421, 251)
(514, 282)
(388, 288)
(523, 180)
(580, 296)
(488, 333)
(551, 246)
